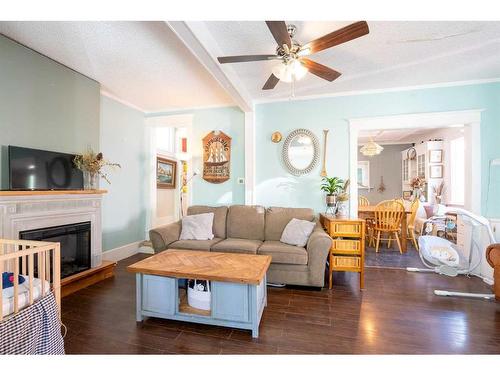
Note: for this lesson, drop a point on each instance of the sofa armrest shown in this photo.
(318, 247)
(163, 236)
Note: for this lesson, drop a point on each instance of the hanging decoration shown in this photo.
(381, 186)
(371, 148)
(216, 157)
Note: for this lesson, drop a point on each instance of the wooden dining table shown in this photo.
(369, 211)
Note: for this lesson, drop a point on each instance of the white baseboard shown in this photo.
(122, 252)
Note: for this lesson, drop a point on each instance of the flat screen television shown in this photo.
(31, 169)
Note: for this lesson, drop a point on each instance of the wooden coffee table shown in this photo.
(237, 282)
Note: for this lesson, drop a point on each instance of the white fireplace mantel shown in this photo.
(20, 212)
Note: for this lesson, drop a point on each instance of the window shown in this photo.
(457, 167)
(421, 165)
(405, 170)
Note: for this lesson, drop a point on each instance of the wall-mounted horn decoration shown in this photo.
(323, 169)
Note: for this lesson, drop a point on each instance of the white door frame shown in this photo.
(471, 119)
(176, 121)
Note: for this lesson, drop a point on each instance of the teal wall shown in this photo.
(276, 187)
(231, 121)
(124, 206)
(44, 105)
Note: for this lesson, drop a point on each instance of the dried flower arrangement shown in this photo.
(93, 164)
(343, 193)
(438, 191)
(417, 182)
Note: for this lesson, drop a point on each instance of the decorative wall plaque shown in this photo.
(216, 157)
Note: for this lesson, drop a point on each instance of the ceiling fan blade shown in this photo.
(337, 37)
(271, 82)
(280, 32)
(246, 58)
(319, 70)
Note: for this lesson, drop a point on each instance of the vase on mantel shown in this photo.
(89, 180)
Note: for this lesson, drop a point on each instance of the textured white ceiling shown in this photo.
(143, 63)
(393, 54)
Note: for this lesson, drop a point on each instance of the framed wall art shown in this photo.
(216, 157)
(436, 171)
(166, 173)
(435, 156)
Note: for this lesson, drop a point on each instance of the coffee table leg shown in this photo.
(138, 296)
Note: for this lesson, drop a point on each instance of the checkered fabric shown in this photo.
(34, 330)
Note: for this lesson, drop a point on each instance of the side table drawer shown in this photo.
(346, 247)
(346, 229)
(346, 263)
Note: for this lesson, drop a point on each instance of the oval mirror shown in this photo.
(300, 152)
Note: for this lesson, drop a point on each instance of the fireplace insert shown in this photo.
(75, 245)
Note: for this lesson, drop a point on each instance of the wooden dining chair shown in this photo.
(363, 202)
(411, 223)
(388, 217)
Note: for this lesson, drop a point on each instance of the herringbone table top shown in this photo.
(205, 265)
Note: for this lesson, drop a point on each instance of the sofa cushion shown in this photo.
(237, 245)
(197, 227)
(283, 253)
(203, 245)
(220, 215)
(297, 232)
(278, 217)
(246, 222)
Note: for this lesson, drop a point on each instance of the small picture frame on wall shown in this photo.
(407, 195)
(435, 156)
(436, 171)
(166, 173)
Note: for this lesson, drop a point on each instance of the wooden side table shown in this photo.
(348, 246)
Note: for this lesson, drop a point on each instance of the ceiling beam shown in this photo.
(197, 38)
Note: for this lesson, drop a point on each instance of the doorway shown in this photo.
(437, 148)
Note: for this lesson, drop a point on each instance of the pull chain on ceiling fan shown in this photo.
(294, 64)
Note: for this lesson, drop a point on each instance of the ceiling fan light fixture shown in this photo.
(371, 148)
(289, 71)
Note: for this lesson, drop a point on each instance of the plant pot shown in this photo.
(343, 208)
(89, 181)
(331, 200)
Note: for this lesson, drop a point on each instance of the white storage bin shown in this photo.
(199, 295)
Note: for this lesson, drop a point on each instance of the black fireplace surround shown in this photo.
(75, 244)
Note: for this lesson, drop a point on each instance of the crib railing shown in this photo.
(21, 257)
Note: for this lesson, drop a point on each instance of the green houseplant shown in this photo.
(332, 186)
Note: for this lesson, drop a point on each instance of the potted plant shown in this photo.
(332, 186)
(92, 164)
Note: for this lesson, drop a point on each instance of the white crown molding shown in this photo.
(121, 101)
(169, 112)
(379, 91)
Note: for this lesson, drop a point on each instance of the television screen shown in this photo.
(31, 169)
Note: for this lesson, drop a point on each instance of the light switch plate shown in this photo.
(241, 181)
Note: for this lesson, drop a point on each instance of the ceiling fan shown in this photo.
(294, 64)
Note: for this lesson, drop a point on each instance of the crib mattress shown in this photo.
(23, 295)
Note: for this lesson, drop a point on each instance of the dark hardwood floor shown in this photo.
(396, 313)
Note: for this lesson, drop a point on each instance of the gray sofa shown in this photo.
(256, 230)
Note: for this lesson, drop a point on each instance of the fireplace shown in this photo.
(75, 244)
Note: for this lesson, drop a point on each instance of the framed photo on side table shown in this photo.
(436, 171)
(166, 173)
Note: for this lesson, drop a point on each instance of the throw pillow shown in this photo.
(297, 232)
(197, 227)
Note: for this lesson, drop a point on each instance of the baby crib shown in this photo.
(31, 310)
